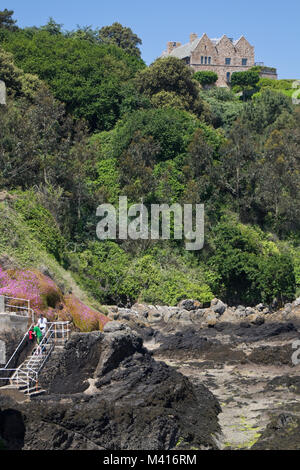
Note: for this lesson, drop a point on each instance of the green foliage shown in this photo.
(173, 76)
(251, 268)
(6, 20)
(265, 108)
(18, 83)
(206, 77)
(172, 129)
(224, 105)
(87, 77)
(167, 99)
(41, 223)
(248, 79)
(52, 27)
(153, 144)
(122, 37)
(106, 271)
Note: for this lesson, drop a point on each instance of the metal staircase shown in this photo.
(25, 377)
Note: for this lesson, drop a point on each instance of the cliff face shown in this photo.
(107, 392)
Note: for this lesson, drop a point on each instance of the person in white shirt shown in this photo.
(42, 323)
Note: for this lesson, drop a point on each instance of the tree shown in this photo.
(246, 81)
(18, 83)
(171, 75)
(87, 77)
(122, 37)
(85, 33)
(136, 166)
(6, 21)
(264, 109)
(251, 268)
(278, 187)
(52, 27)
(206, 77)
(237, 167)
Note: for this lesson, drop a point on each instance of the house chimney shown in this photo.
(193, 36)
(172, 45)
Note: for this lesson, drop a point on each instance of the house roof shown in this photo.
(185, 51)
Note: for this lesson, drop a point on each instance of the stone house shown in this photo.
(223, 55)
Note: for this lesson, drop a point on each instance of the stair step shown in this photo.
(36, 393)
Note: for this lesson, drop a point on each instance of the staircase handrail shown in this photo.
(18, 347)
(46, 338)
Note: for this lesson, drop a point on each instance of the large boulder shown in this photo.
(107, 392)
(190, 305)
(218, 306)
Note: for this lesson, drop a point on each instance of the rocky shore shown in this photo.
(190, 377)
(107, 392)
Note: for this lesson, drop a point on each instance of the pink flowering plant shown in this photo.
(45, 297)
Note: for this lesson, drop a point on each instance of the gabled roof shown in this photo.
(186, 50)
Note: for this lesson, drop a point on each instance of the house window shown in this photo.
(209, 60)
(244, 61)
(205, 60)
(227, 61)
(228, 77)
(202, 59)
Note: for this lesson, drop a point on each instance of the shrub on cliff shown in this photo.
(206, 77)
(251, 267)
(87, 77)
(112, 276)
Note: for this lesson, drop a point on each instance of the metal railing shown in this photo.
(18, 347)
(29, 377)
(12, 306)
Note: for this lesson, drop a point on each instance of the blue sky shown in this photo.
(271, 26)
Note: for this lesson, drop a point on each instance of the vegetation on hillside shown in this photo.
(87, 122)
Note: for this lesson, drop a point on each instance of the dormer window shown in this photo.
(227, 61)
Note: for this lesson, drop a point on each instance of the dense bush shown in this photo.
(251, 267)
(112, 276)
(87, 77)
(206, 77)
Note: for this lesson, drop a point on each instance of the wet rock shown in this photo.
(272, 355)
(138, 403)
(260, 307)
(291, 382)
(283, 433)
(117, 346)
(257, 319)
(113, 326)
(190, 305)
(296, 303)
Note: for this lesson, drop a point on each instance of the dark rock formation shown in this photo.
(107, 392)
(282, 433)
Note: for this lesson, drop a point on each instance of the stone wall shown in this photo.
(9, 322)
(219, 52)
